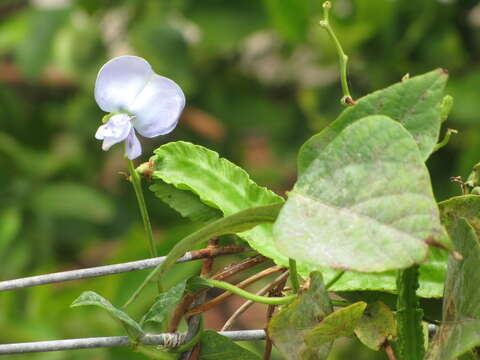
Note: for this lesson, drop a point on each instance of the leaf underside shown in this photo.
(184, 202)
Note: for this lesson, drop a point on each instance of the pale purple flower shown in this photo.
(137, 99)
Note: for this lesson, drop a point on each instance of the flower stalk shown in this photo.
(137, 187)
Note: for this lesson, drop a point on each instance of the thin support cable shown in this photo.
(113, 269)
(116, 341)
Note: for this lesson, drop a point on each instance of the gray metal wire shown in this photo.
(116, 341)
(89, 272)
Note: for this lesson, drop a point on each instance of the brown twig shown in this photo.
(210, 252)
(276, 291)
(208, 262)
(240, 267)
(221, 298)
(195, 353)
(389, 351)
(231, 270)
(247, 304)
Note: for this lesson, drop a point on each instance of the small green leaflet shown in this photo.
(132, 328)
(338, 324)
(214, 346)
(376, 325)
(163, 305)
(289, 326)
(415, 103)
(364, 204)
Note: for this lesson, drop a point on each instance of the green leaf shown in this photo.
(432, 273)
(236, 223)
(376, 325)
(466, 206)
(415, 103)
(432, 277)
(219, 184)
(289, 326)
(163, 304)
(409, 316)
(459, 331)
(365, 203)
(214, 346)
(185, 202)
(74, 201)
(338, 324)
(132, 328)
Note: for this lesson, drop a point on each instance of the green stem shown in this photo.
(334, 280)
(136, 182)
(409, 316)
(247, 295)
(445, 140)
(343, 58)
(294, 275)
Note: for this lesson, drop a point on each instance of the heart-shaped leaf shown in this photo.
(364, 204)
(414, 103)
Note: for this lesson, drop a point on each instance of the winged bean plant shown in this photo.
(359, 247)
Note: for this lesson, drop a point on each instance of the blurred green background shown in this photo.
(260, 77)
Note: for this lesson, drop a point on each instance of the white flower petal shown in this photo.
(119, 81)
(133, 148)
(114, 131)
(100, 131)
(157, 107)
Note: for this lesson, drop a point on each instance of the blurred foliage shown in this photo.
(260, 78)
